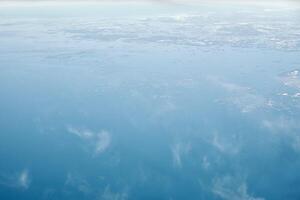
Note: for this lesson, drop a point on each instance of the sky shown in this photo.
(263, 3)
(162, 1)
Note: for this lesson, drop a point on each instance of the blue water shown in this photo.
(149, 101)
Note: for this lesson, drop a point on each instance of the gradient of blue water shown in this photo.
(150, 98)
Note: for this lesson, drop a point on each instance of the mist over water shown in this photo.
(149, 101)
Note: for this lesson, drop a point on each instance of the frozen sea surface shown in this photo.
(149, 101)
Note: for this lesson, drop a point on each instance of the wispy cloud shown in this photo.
(244, 98)
(281, 124)
(84, 134)
(286, 128)
(224, 145)
(23, 179)
(178, 151)
(19, 180)
(100, 141)
(231, 188)
(77, 182)
(291, 78)
(108, 194)
(205, 162)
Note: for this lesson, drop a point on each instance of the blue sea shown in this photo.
(158, 101)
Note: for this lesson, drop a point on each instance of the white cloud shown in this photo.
(225, 145)
(178, 151)
(187, 28)
(99, 141)
(231, 188)
(205, 162)
(85, 134)
(244, 98)
(78, 182)
(24, 179)
(231, 87)
(280, 124)
(287, 128)
(102, 142)
(216, 143)
(19, 180)
(291, 78)
(108, 194)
